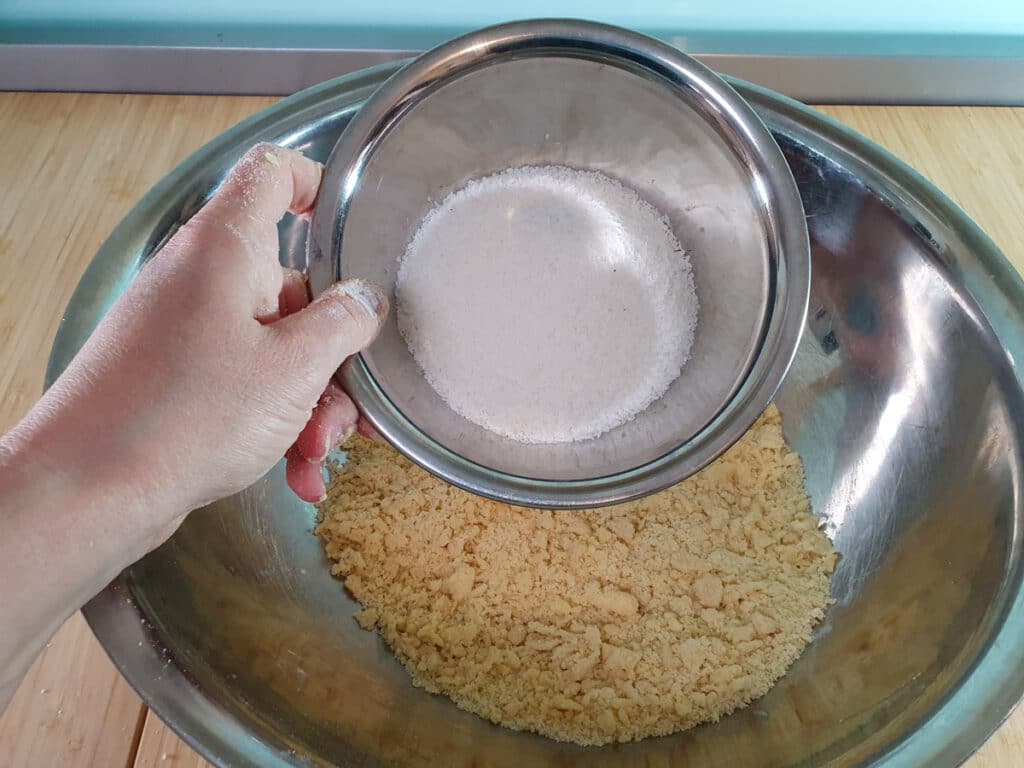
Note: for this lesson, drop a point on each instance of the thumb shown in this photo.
(340, 322)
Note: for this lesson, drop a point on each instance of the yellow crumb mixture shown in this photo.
(599, 626)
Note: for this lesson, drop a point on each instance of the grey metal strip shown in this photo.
(145, 69)
(882, 79)
(272, 71)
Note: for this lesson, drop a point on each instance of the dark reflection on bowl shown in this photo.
(902, 402)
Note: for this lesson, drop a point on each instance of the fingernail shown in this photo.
(336, 438)
(346, 435)
(366, 295)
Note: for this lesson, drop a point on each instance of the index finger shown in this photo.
(268, 181)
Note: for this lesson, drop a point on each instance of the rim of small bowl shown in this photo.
(782, 212)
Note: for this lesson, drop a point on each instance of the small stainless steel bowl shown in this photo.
(592, 97)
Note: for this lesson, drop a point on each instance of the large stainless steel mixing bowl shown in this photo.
(903, 401)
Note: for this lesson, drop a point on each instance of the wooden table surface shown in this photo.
(72, 165)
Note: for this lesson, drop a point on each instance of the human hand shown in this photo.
(213, 363)
(197, 381)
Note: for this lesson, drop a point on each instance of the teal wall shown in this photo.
(853, 27)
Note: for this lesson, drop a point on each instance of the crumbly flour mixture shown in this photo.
(593, 627)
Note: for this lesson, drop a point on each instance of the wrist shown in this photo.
(80, 447)
(71, 519)
(63, 537)
(83, 499)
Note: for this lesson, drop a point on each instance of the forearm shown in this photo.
(65, 532)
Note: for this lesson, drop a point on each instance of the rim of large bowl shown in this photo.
(783, 214)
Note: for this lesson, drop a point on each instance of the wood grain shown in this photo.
(971, 154)
(161, 748)
(72, 709)
(72, 165)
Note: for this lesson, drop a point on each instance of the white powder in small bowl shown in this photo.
(547, 304)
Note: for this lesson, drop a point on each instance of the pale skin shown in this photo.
(212, 366)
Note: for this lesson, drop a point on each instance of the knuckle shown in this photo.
(257, 182)
(258, 152)
(258, 161)
(301, 353)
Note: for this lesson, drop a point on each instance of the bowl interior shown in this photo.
(901, 402)
(659, 140)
